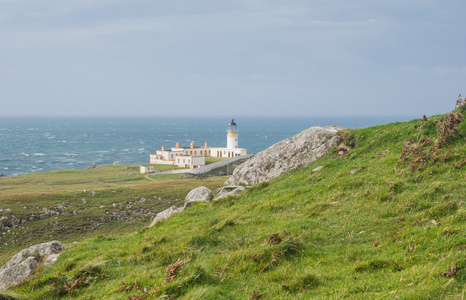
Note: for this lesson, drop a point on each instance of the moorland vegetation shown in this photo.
(383, 219)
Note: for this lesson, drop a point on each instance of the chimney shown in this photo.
(177, 145)
(163, 148)
(205, 144)
(192, 145)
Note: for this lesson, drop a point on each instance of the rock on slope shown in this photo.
(201, 193)
(225, 193)
(294, 152)
(24, 264)
(166, 214)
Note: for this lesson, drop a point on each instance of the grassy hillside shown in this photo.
(73, 205)
(373, 223)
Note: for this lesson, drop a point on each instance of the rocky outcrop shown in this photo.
(224, 193)
(166, 214)
(201, 193)
(295, 152)
(93, 166)
(24, 264)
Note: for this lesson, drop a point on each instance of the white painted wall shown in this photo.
(164, 162)
(146, 169)
(198, 160)
(207, 168)
(232, 142)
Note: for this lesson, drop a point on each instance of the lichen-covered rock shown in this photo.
(198, 194)
(24, 264)
(294, 152)
(51, 259)
(166, 214)
(225, 193)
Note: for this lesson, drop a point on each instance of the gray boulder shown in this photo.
(25, 263)
(224, 193)
(294, 152)
(166, 214)
(201, 193)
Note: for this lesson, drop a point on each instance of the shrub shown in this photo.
(447, 129)
(347, 138)
(460, 103)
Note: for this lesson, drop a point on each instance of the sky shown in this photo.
(236, 57)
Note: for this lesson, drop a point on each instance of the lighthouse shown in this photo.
(232, 135)
(194, 157)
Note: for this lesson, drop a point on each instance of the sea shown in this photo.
(41, 144)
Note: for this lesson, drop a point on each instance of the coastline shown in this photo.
(57, 143)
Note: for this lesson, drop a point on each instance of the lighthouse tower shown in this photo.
(232, 135)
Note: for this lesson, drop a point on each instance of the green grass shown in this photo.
(104, 200)
(380, 231)
(75, 180)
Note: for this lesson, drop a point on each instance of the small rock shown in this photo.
(352, 171)
(317, 169)
(223, 193)
(93, 166)
(343, 149)
(166, 214)
(201, 193)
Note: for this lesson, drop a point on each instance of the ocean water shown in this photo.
(40, 144)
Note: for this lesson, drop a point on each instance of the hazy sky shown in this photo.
(235, 57)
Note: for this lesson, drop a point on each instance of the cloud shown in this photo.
(261, 52)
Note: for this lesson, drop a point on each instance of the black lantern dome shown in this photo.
(232, 127)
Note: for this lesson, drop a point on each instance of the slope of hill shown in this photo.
(385, 220)
(73, 205)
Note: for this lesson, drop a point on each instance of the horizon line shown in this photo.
(210, 116)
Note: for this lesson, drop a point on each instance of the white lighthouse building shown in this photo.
(194, 157)
(232, 135)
